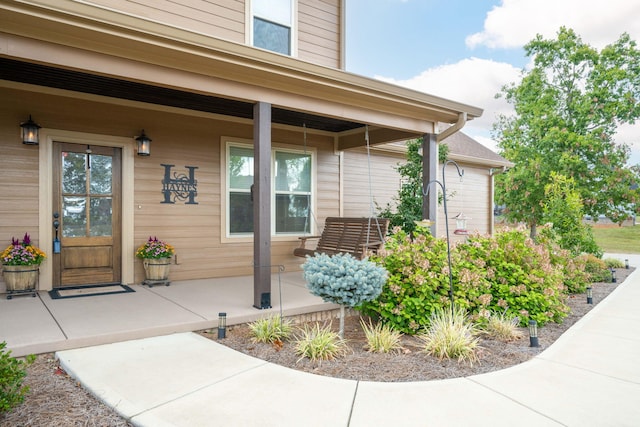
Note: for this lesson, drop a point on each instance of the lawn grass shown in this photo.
(624, 240)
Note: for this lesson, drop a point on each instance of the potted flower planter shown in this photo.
(20, 267)
(156, 260)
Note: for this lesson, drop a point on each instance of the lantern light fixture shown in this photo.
(589, 295)
(533, 334)
(222, 325)
(461, 224)
(30, 132)
(144, 144)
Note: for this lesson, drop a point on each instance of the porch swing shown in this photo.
(352, 235)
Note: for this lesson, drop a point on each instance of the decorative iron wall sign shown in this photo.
(179, 186)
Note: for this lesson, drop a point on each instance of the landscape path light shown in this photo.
(533, 334)
(222, 325)
(589, 295)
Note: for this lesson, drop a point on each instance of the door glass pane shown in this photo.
(240, 213)
(100, 174)
(74, 217)
(292, 213)
(100, 216)
(240, 168)
(74, 177)
(293, 172)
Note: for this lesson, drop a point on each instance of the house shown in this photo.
(214, 126)
(473, 194)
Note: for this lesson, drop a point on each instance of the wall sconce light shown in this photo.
(613, 276)
(589, 295)
(30, 132)
(533, 334)
(461, 224)
(222, 325)
(626, 264)
(144, 144)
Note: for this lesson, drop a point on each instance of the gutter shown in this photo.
(462, 120)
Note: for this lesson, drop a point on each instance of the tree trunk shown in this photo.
(341, 331)
(533, 231)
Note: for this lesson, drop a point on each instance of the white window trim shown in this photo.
(225, 235)
(248, 39)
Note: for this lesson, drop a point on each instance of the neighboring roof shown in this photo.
(464, 148)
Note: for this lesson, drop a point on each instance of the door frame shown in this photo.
(47, 137)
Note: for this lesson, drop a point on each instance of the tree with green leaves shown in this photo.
(567, 110)
(406, 207)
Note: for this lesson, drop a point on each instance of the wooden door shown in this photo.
(86, 211)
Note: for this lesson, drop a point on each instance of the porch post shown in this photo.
(429, 174)
(262, 205)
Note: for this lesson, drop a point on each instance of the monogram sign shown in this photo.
(179, 186)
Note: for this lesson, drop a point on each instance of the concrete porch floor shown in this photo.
(42, 324)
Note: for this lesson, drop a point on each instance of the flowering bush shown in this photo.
(22, 253)
(155, 249)
(506, 273)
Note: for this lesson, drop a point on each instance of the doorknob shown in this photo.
(56, 241)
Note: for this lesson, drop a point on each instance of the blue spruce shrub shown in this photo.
(343, 279)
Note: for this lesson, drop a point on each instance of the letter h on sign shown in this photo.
(181, 186)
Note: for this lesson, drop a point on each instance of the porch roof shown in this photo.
(96, 50)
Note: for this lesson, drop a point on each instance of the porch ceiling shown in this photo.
(42, 75)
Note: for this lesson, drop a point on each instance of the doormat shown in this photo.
(89, 291)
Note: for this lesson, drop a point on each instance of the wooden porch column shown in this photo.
(429, 174)
(262, 205)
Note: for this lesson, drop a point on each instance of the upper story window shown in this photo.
(272, 24)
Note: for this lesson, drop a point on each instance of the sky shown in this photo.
(466, 50)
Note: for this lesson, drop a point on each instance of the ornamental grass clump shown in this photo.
(319, 343)
(381, 338)
(451, 335)
(271, 329)
(22, 253)
(502, 326)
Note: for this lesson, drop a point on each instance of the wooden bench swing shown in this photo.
(355, 236)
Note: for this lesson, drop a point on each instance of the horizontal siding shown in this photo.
(319, 32)
(223, 19)
(385, 181)
(471, 196)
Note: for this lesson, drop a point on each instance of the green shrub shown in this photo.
(12, 374)
(451, 335)
(614, 263)
(319, 343)
(502, 326)
(271, 329)
(596, 269)
(417, 284)
(505, 272)
(381, 338)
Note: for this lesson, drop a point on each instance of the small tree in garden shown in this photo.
(343, 279)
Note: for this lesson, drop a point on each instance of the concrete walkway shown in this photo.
(589, 377)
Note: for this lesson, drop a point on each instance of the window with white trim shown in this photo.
(292, 191)
(272, 25)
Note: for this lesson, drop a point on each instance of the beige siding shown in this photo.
(385, 181)
(472, 196)
(319, 32)
(223, 19)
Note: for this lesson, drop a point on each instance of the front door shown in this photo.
(86, 214)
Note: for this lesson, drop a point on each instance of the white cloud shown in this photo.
(471, 81)
(516, 22)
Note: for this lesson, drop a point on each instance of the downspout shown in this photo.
(462, 120)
